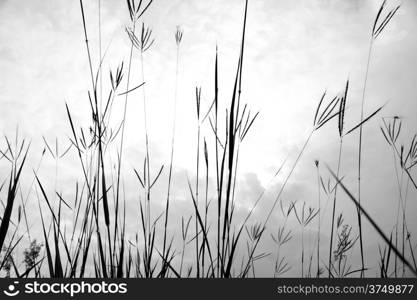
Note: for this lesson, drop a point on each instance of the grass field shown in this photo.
(94, 224)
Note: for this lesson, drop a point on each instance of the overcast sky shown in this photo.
(295, 50)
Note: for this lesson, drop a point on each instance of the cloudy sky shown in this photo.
(295, 50)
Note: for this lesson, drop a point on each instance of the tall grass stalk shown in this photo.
(95, 208)
(178, 38)
(317, 163)
(342, 109)
(391, 131)
(145, 123)
(135, 13)
(304, 218)
(376, 30)
(198, 107)
(143, 43)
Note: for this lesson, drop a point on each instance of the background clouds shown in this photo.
(295, 50)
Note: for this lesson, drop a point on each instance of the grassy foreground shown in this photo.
(96, 242)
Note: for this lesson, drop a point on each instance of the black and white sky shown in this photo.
(295, 50)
